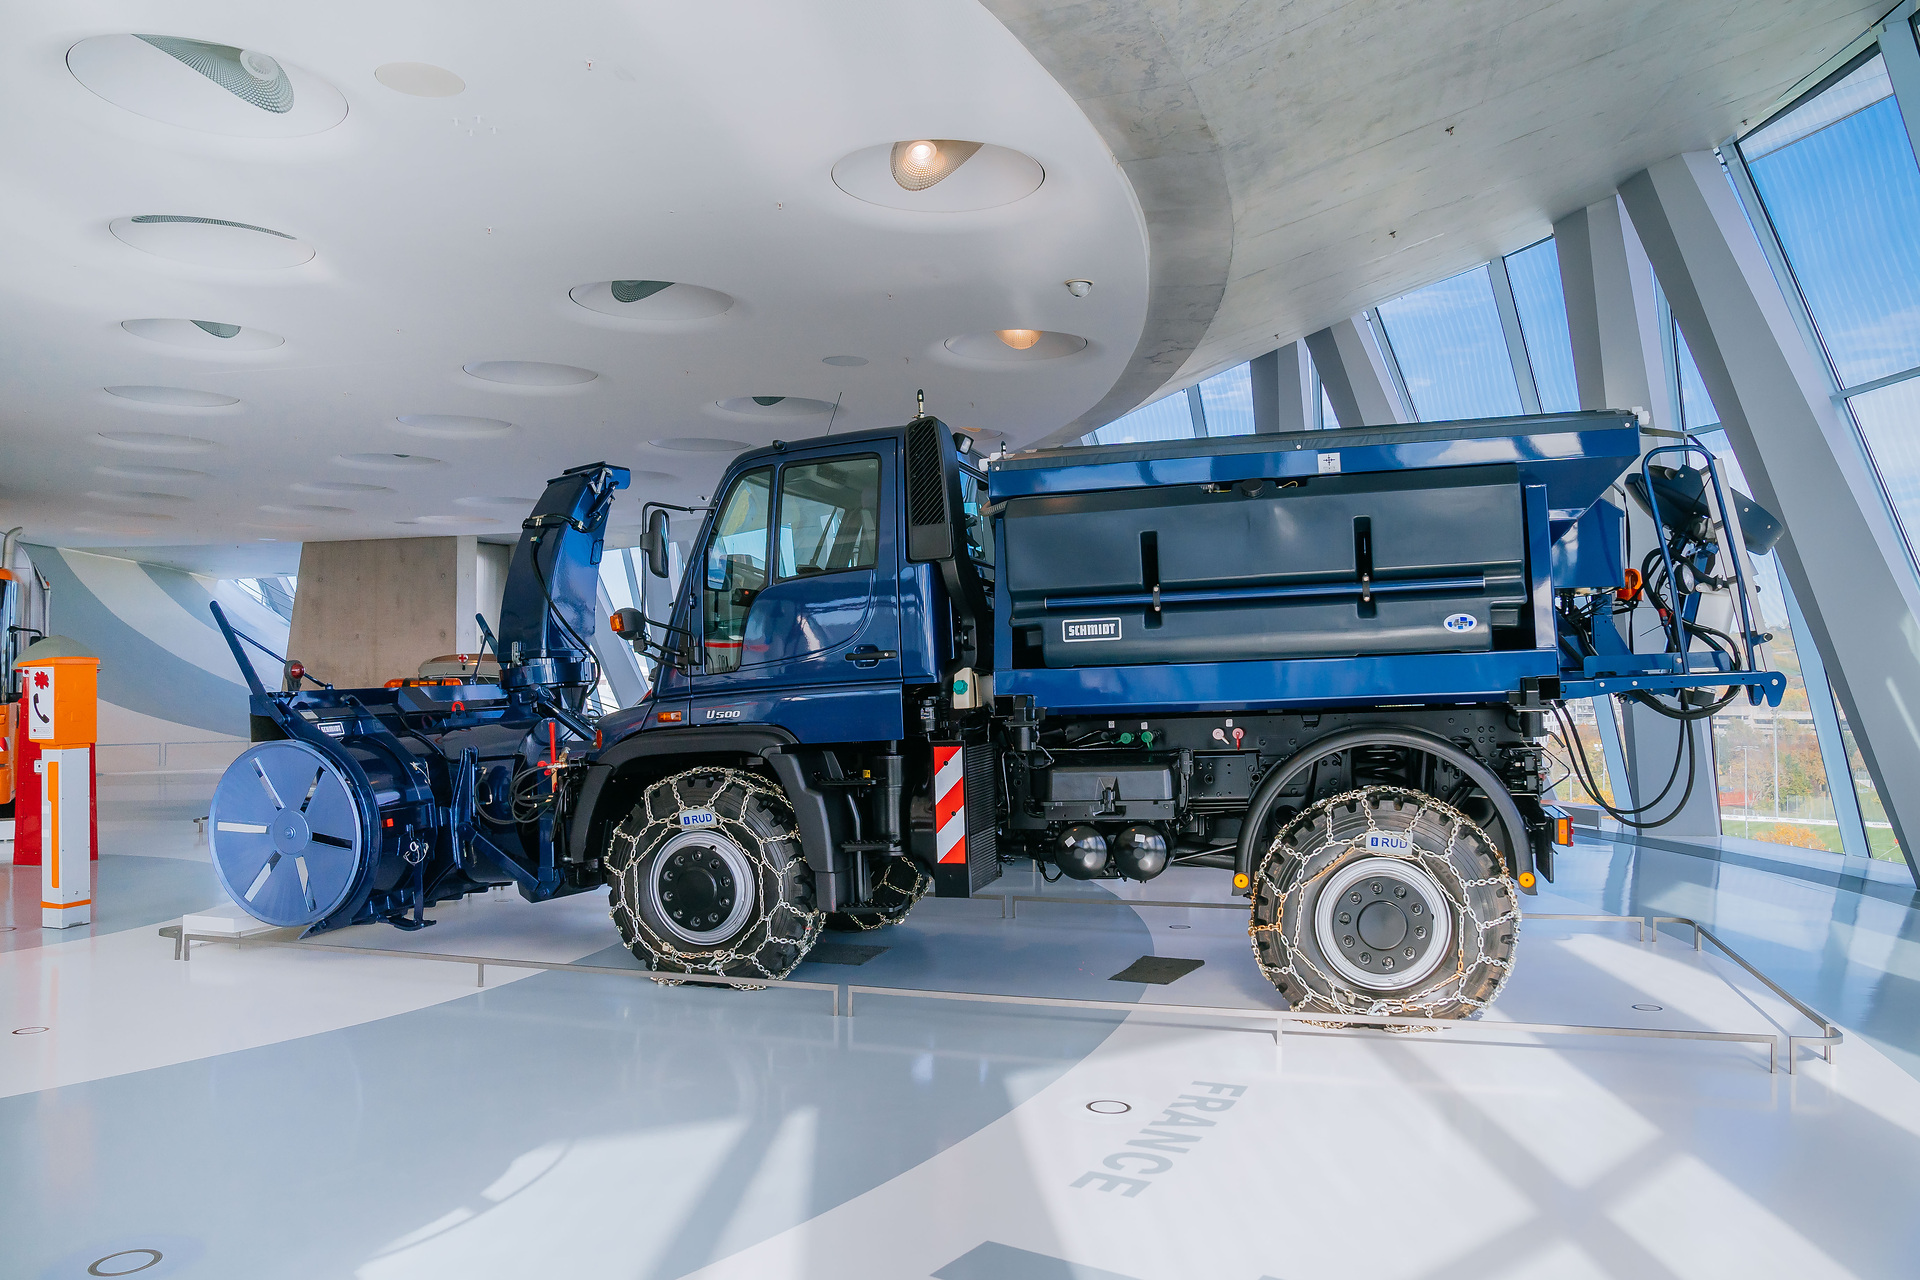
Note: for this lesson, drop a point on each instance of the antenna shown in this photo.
(921, 407)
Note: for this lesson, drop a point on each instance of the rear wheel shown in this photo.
(707, 877)
(1385, 901)
(900, 883)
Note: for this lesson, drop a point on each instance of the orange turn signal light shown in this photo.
(670, 717)
(1563, 831)
(617, 624)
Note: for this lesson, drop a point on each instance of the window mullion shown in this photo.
(1516, 337)
(1901, 53)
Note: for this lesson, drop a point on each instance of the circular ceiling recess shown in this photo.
(205, 86)
(529, 373)
(153, 442)
(700, 444)
(451, 426)
(845, 362)
(211, 337)
(211, 242)
(150, 473)
(939, 175)
(499, 500)
(652, 304)
(386, 461)
(1016, 346)
(775, 408)
(419, 79)
(337, 487)
(174, 397)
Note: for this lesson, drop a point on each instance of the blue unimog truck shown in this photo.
(1322, 664)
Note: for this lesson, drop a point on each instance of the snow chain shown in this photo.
(1475, 942)
(917, 885)
(763, 946)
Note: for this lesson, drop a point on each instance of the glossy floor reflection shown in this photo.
(275, 1113)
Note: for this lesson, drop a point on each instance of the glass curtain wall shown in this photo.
(1833, 183)
(1220, 406)
(1451, 349)
(1840, 192)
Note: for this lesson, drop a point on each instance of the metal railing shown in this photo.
(1274, 1020)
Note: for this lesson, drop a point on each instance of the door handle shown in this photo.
(868, 655)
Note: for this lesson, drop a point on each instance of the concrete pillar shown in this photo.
(1615, 326)
(370, 611)
(1283, 390)
(1354, 372)
(1617, 364)
(1800, 456)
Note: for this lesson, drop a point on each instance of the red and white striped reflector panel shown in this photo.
(950, 804)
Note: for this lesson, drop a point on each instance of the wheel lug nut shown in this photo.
(1365, 958)
(1409, 953)
(1347, 941)
(1400, 892)
(1345, 918)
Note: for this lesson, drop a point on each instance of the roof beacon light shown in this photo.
(920, 164)
(1019, 339)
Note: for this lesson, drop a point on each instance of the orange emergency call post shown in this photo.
(59, 711)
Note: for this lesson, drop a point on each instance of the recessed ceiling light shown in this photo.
(448, 426)
(174, 397)
(210, 242)
(209, 87)
(386, 461)
(845, 362)
(1016, 346)
(700, 444)
(985, 177)
(212, 337)
(924, 163)
(419, 79)
(150, 473)
(529, 373)
(776, 406)
(153, 442)
(653, 304)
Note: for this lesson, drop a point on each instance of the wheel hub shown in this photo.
(1383, 924)
(703, 887)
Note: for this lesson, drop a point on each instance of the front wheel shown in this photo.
(707, 877)
(1385, 901)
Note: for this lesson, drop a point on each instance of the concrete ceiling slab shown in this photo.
(1367, 150)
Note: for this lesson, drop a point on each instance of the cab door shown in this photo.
(799, 599)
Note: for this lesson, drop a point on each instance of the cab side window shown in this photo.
(736, 569)
(829, 516)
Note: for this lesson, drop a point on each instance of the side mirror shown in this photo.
(654, 543)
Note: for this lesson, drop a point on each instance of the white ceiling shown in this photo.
(594, 141)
